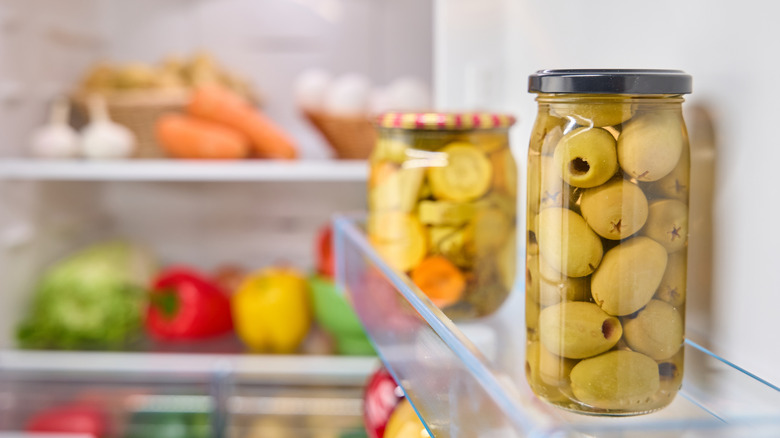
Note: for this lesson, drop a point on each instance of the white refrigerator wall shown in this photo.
(486, 49)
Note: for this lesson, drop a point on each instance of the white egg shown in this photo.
(349, 96)
(379, 101)
(310, 89)
(409, 94)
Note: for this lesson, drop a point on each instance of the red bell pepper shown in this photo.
(71, 418)
(380, 399)
(325, 258)
(185, 305)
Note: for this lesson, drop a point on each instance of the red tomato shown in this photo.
(325, 258)
(71, 418)
(379, 401)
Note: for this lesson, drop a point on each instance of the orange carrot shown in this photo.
(223, 106)
(187, 137)
(441, 280)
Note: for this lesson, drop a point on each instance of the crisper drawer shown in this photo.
(134, 395)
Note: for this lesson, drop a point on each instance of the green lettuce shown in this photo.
(94, 299)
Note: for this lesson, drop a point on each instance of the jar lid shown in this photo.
(445, 121)
(610, 81)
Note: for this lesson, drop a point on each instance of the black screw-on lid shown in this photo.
(610, 81)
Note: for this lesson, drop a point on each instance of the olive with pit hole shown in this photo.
(586, 157)
(578, 330)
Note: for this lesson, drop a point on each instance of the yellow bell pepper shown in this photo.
(271, 310)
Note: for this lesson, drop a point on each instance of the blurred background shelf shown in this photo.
(276, 368)
(224, 395)
(468, 379)
(175, 170)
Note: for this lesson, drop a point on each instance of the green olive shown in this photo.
(595, 114)
(545, 124)
(615, 210)
(531, 316)
(567, 243)
(549, 286)
(577, 330)
(650, 145)
(672, 288)
(671, 372)
(554, 370)
(657, 330)
(617, 380)
(667, 224)
(676, 184)
(629, 275)
(531, 244)
(546, 188)
(586, 157)
(537, 377)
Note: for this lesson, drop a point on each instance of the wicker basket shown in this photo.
(350, 137)
(138, 111)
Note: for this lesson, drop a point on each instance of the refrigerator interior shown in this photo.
(46, 46)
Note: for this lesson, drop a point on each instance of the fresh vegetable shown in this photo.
(325, 259)
(93, 299)
(272, 311)
(168, 425)
(399, 238)
(440, 279)
(185, 305)
(188, 137)
(173, 74)
(56, 139)
(102, 138)
(77, 418)
(335, 315)
(404, 423)
(222, 106)
(379, 401)
(467, 175)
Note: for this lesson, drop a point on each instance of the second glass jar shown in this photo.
(442, 200)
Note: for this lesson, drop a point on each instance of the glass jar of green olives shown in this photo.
(442, 200)
(607, 232)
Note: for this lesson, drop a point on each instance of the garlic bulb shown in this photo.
(102, 138)
(56, 139)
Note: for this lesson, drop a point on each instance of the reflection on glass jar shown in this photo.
(442, 199)
(607, 236)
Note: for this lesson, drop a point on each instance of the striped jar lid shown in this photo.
(445, 121)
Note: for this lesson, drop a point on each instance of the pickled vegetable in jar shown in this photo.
(607, 236)
(442, 200)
